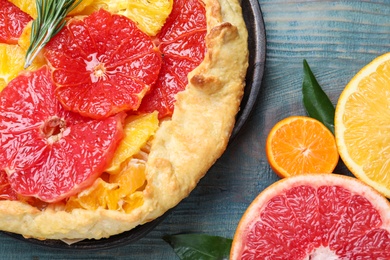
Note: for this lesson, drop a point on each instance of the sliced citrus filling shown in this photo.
(6, 192)
(12, 61)
(121, 192)
(12, 22)
(149, 15)
(138, 130)
(48, 152)
(101, 65)
(183, 50)
(29, 6)
(106, 69)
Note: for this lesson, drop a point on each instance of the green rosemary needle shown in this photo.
(50, 20)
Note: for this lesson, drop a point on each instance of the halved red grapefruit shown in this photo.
(48, 152)
(325, 216)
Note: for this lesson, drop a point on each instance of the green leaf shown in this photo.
(315, 100)
(199, 246)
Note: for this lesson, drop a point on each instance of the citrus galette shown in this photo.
(119, 116)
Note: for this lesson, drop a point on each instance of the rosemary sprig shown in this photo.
(50, 20)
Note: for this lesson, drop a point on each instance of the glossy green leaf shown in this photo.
(200, 246)
(315, 100)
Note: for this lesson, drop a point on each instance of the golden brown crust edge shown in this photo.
(183, 149)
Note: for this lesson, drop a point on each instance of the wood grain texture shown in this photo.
(337, 38)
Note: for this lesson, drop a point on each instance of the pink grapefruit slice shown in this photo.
(317, 216)
(47, 152)
(182, 43)
(12, 22)
(6, 192)
(102, 64)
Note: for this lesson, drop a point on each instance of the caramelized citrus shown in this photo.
(48, 152)
(298, 144)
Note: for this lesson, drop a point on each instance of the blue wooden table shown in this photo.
(337, 38)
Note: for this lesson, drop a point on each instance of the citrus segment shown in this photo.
(137, 131)
(12, 22)
(149, 15)
(47, 152)
(6, 192)
(96, 5)
(182, 43)
(80, 7)
(102, 65)
(29, 6)
(315, 216)
(116, 193)
(12, 61)
(361, 124)
(299, 144)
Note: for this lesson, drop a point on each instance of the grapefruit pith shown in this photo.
(315, 216)
(182, 43)
(102, 64)
(48, 152)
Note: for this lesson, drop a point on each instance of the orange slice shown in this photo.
(362, 124)
(121, 191)
(29, 6)
(149, 15)
(12, 61)
(137, 131)
(316, 216)
(299, 144)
